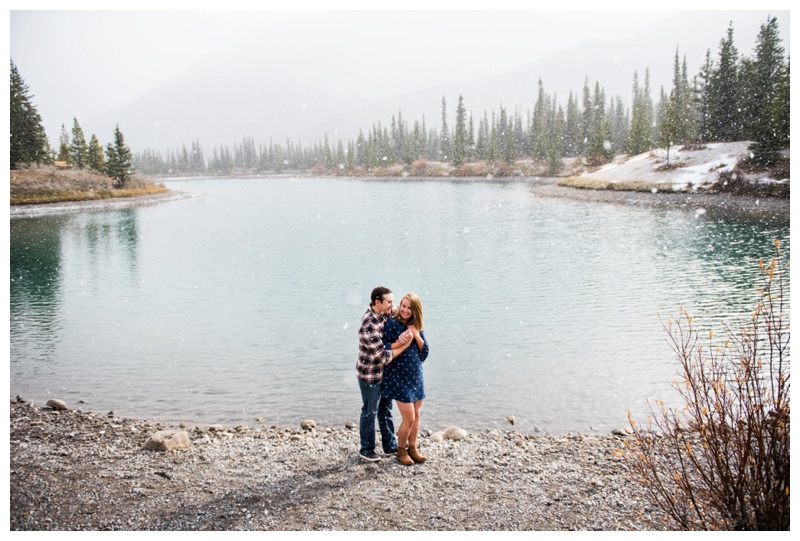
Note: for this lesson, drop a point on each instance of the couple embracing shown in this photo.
(391, 350)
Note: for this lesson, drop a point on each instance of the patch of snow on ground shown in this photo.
(698, 167)
(703, 173)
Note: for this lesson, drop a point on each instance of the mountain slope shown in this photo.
(325, 79)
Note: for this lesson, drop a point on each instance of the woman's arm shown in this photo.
(423, 349)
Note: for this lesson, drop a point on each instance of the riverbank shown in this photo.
(116, 203)
(73, 470)
(766, 209)
(42, 185)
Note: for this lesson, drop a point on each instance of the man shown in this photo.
(372, 357)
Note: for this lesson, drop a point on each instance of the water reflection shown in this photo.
(35, 284)
(39, 276)
(98, 237)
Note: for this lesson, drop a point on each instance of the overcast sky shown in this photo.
(83, 63)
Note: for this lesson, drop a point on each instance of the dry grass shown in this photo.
(423, 168)
(621, 186)
(50, 185)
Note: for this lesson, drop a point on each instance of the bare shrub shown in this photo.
(737, 183)
(669, 167)
(596, 161)
(501, 169)
(421, 168)
(694, 145)
(320, 170)
(722, 461)
(475, 169)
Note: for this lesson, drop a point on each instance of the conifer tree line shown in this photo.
(731, 98)
(29, 143)
(116, 160)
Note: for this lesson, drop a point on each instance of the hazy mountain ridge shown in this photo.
(256, 88)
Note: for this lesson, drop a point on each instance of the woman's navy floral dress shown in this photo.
(402, 378)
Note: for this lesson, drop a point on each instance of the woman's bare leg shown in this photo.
(406, 426)
(412, 437)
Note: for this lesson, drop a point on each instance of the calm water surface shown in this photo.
(244, 301)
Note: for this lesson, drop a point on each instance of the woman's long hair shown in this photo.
(416, 311)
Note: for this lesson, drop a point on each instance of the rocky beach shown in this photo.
(78, 470)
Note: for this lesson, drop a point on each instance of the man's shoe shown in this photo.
(369, 457)
(392, 452)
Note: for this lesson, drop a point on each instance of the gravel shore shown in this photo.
(74, 470)
(764, 209)
(115, 203)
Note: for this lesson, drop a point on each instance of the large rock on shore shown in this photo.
(168, 440)
(57, 404)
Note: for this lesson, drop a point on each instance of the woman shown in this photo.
(402, 378)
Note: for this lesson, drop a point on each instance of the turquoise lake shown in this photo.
(244, 301)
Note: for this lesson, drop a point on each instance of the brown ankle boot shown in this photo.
(415, 455)
(403, 458)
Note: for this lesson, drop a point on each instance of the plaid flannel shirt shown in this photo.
(372, 354)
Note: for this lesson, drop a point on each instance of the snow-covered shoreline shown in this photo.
(771, 209)
(682, 168)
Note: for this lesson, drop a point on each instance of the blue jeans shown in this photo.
(374, 405)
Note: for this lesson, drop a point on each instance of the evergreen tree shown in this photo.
(681, 101)
(471, 139)
(586, 117)
(387, 149)
(28, 142)
(493, 152)
(349, 159)
(600, 129)
(63, 146)
(702, 99)
(619, 124)
(118, 159)
(459, 148)
(690, 117)
(725, 98)
(540, 141)
(518, 136)
(505, 142)
(640, 136)
(782, 96)
(339, 159)
(670, 125)
(572, 128)
(78, 150)
(197, 163)
(769, 111)
(555, 151)
(327, 154)
(94, 157)
(361, 149)
(444, 138)
(482, 142)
